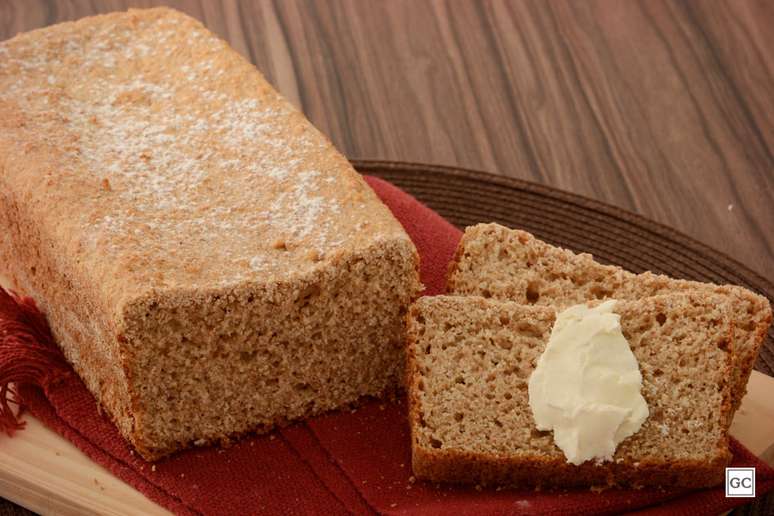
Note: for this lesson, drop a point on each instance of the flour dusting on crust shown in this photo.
(202, 164)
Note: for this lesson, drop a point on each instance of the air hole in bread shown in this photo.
(486, 293)
(460, 380)
(657, 372)
(246, 356)
(504, 342)
(599, 292)
(661, 319)
(504, 319)
(529, 330)
(723, 344)
(498, 423)
(175, 326)
(539, 434)
(533, 292)
(308, 294)
(435, 443)
(459, 416)
(421, 385)
(507, 395)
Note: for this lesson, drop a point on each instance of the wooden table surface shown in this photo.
(662, 108)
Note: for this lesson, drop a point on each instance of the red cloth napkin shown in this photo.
(343, 462)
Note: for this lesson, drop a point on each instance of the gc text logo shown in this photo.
(740, 482)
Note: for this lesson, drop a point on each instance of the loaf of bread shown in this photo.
(208, 262)
(469, 363)
(501, 263)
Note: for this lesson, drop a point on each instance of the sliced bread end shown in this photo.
(469, 361)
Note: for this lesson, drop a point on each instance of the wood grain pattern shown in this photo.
(663, 108)
(44, 472)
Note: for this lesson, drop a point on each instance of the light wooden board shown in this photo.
(45, 473)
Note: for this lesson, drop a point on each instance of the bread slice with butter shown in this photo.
(501, 263)
(469, 363)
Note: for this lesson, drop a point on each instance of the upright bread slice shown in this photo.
(208, 262)
(494, 261)
(469, 361)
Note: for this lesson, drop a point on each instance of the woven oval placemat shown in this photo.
(612, 235)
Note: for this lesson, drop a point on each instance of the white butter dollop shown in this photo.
(586, 386)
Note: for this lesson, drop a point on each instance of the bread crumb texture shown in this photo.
(470, 360)
(493, 261)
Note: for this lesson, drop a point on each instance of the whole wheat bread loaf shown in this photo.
(501, 263)
(469, 361)
(208, 262)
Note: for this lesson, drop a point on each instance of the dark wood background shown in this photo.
(662, 108)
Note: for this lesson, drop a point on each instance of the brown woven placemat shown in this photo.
(612, 235)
